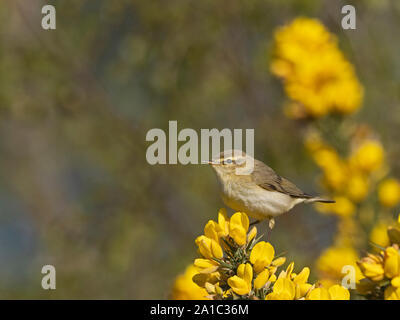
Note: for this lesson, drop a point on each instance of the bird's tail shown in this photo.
(318, 199)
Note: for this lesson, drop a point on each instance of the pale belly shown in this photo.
(257, 202)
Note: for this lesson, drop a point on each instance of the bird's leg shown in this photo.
(254, 223)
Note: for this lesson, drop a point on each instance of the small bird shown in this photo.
(262, 194)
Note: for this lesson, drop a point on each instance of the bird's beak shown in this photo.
(209, 162)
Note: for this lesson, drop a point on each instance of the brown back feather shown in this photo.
(269, 180)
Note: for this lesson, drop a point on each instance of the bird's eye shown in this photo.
(229, 161)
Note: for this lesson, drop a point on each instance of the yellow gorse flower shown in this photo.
(185, 289)
(372, 268)
(284, 289)
(209, 248)
(332, 260)
(261, 279)
(234, 264)
(241, 284)
(379, 235)
(382, 271)
(238, 227)
(261, 256)
(389, 193)
(319, 81)
(392, 293)
(335, 292)
(369, 156)
(317, 76)
(391, 263)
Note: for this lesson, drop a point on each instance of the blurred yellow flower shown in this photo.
(389, 193)
(185, 289)
(369, 156)
(343, 207)
(394, 235)
(332, 260)
(379, 235)
(357, 187)
(316, 74)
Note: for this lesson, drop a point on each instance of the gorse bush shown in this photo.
(323, 94)
(236, 264)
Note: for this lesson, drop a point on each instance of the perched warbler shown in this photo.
(261, 193)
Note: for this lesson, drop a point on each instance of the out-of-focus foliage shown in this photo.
(76, 104)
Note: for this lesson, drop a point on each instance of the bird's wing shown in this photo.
(269, 180)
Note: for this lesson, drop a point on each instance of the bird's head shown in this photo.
(227, 162)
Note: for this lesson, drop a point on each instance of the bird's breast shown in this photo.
(256, 201)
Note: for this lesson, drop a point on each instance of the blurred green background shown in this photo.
(76, 104)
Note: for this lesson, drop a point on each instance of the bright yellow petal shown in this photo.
(289, 270)
(302, 289)
(252, 234)
(302, 277)
(261, 279)
(286, 287)
(223, 222)
(204, 245)
(392, 262)
(337, 292)
(238, 285)
(392, 293)
(211, 230)
(261, 255)
(396, 282)
(204, 263)
(279, 261)
(240, 219)
(248, 274)
(318, 294)
(216, 250)
(238, 234)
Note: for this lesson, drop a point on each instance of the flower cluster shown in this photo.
(234, 264)
(350, 178)
(331, 262)
(185, 289)
(317, 77)
(382, 270)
